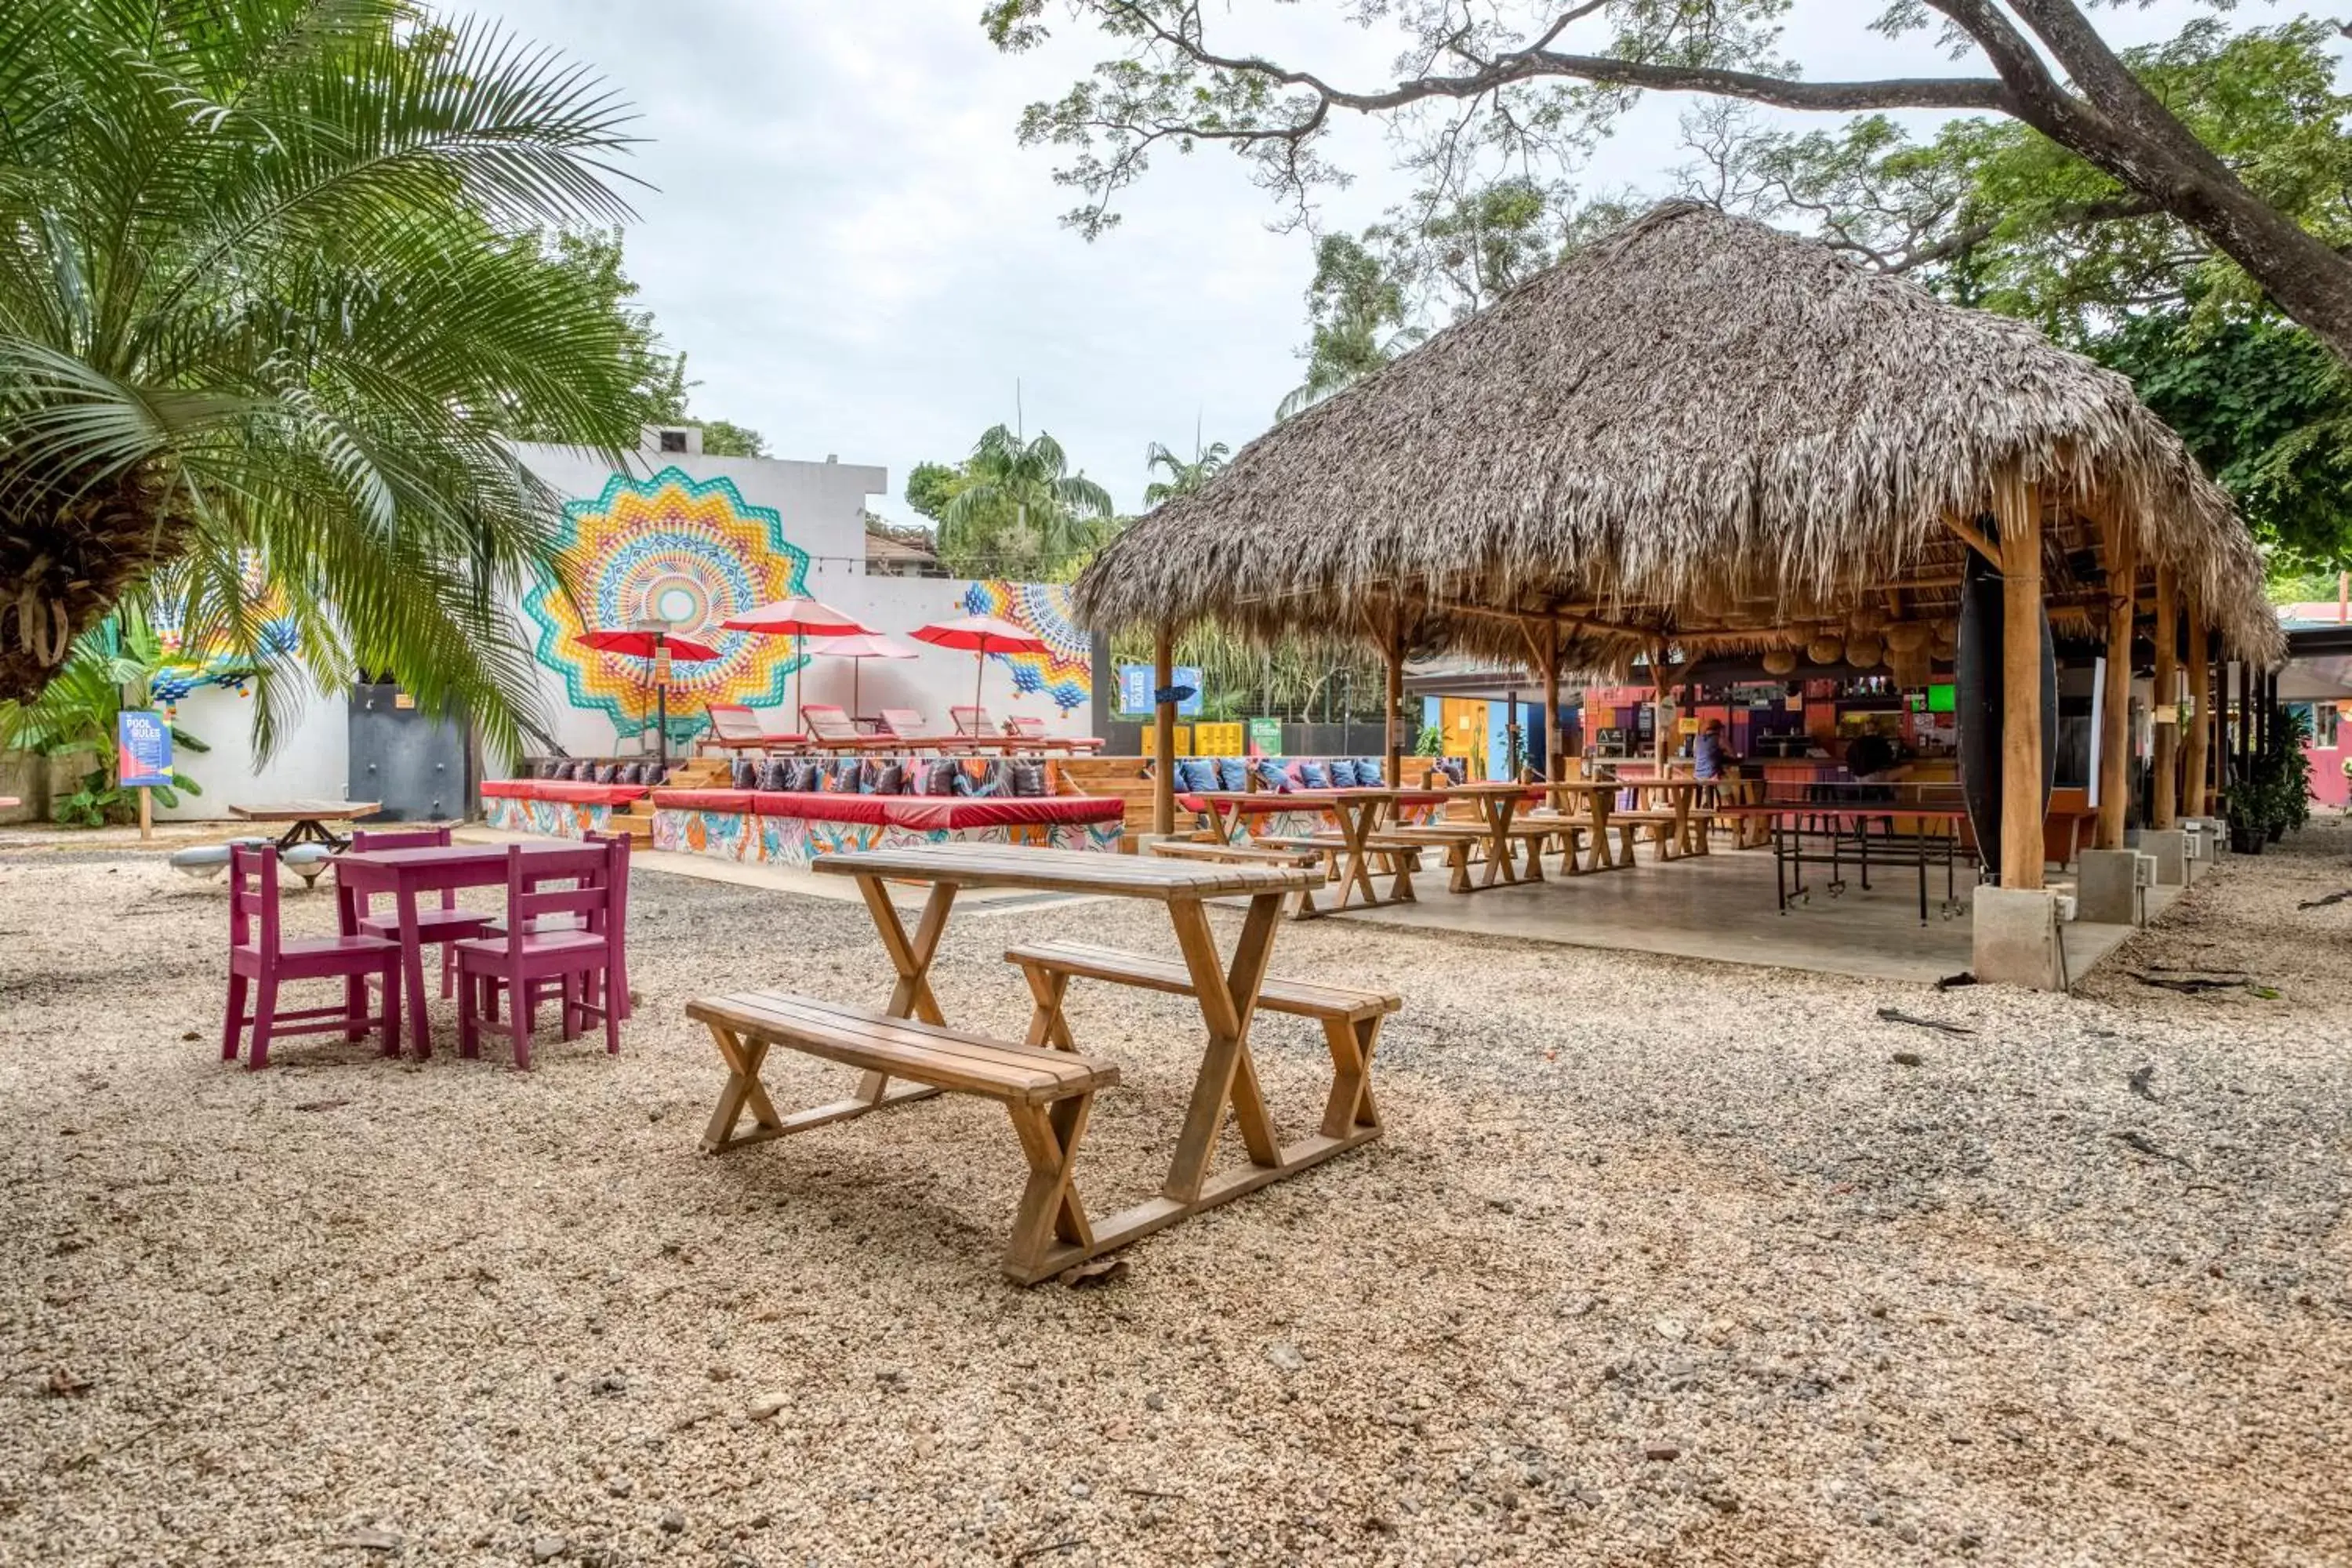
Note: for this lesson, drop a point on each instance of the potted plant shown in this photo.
(2249, 804)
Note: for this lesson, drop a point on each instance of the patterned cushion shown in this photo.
(549, 768)
(774, 774)
(990, 782)
(1026, 780)
(1271, 776)
(745, 773)
(842, 777)
(885, 778)
(941, 777)
(608, 772)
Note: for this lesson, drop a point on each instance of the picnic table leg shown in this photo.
(1356, 822)
(911, 997)
(743, 1058)
(1350, 1103)
(1046, 1024)
(1602, 861)
(412, 968)
(1500, 860)
(1227, 1077)
(1050, 1210)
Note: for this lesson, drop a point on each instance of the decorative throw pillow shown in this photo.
(745, 774)
(842, 777)
(608, 772)
(1194, 774)
(1314, 775)
(549, 768)
(774, 776)
(1026, 781)
(1232, 773)
(990, 782)
(941, 777)
(1271, 776)
(886, 778)
(1370, 773)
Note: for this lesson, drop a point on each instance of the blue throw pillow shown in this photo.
(1193, 775)
(1314, 775)
(1370, 773)
(1344, 774)
(1271, 776)
(1232, 773)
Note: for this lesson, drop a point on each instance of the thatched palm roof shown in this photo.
(1700, 430)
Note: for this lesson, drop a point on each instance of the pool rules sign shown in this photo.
(143, 758)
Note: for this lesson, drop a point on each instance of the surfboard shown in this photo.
(1976, 702)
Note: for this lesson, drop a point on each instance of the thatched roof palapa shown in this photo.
(1700, 431)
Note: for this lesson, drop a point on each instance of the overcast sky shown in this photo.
(845, 237)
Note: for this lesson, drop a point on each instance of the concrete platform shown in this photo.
(1721, 907)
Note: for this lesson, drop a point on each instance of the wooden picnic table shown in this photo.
(1359, 813)
(1226, 991)
(310, 819)
(404, 874)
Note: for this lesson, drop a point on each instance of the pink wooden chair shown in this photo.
(441, 926)
(262, 959)
(543, 989)
(535, 951)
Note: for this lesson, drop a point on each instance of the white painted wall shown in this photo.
(312, 760)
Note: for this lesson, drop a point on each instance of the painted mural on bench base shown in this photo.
(794, 841)
(555, 818)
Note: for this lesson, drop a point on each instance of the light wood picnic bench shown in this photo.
(1301, 904)
(1049, 1092)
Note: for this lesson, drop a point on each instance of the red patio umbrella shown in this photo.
(799, 619)
(662, 646)
(980, 634)
(858, 649)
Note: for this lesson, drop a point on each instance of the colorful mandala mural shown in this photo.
(689, 552)
(205, 663)
(1066, 671)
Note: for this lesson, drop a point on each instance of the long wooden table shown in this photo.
(1359, 811)
(406, 873)
(310, 819)
(1226, 991)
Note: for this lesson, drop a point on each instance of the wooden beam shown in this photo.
(1555, 733)
(1395, 743)
(2165, 700)
(2018, 510)
(1163, 734)
(1968, 534)
(2197, 768)
(2114, 729)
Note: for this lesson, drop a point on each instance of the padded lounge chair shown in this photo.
(737, 728)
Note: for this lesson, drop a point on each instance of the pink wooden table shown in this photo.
(406, 873)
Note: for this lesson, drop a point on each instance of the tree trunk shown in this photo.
(68, 558)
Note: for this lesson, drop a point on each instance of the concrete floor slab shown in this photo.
(1721, 907)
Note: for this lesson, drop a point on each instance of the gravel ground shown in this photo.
(1658, 1260)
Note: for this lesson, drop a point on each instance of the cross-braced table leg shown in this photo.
(1350, 1103)
(1227, 997)
(1357, 819)
(911, 957)
(743, 1091)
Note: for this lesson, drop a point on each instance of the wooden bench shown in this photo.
(1049, 1094)
(1350, 1017)
(1300, 906)
(1389, 857)
(1462, 841)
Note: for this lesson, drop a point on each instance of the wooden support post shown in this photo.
(2197, 768)
(1163, 734)
(1555, 732)
(2018, 509)
(2115, 727)
(146, 814)
(1396, 698)
(2164, 701)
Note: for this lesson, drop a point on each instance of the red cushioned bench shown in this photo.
(917, 811)
(571, 791)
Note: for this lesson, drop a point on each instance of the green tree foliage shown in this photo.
(1016, 511)
(1357, 321)
(272, 283)
(721, 438)
(930, 486)
(2266, 408)
(1183, 477)
(107, 672)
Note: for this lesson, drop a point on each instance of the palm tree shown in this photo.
(1183, 477)
(1053, 513)
(271, 283)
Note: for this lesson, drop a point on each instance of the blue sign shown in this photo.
(1135, 689)
(142, 749)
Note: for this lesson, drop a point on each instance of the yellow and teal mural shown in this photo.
(1064, 672)
(676, 548)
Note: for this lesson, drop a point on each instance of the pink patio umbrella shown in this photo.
(858, 649)
(981, 635)
(799, 619)
(662, 646)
